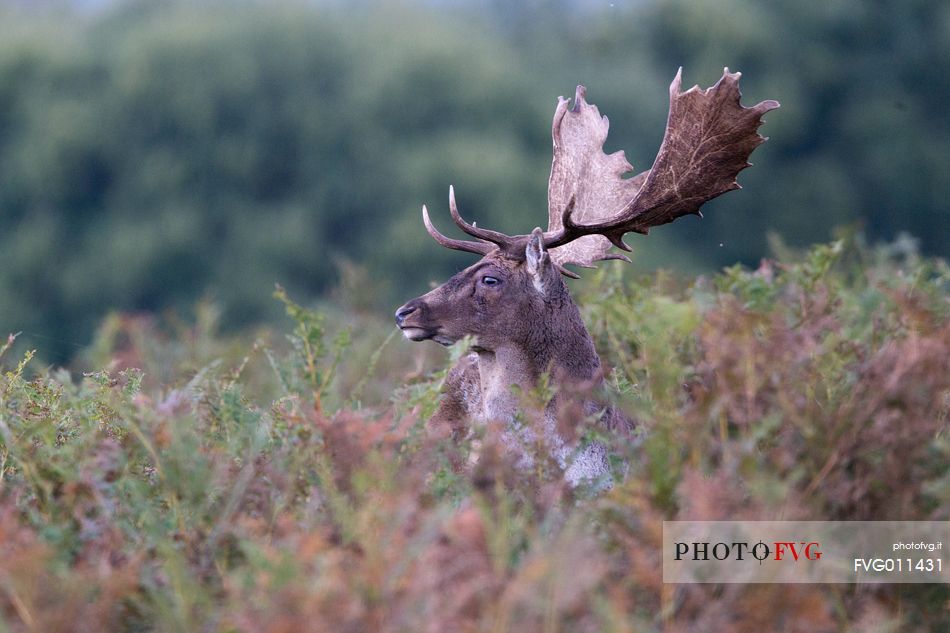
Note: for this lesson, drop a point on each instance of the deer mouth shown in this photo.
(416, 334)
(411, 320)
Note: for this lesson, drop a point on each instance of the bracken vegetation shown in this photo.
(198, 483)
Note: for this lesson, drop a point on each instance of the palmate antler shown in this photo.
(591, 206)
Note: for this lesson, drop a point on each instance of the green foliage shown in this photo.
(166, 154)
(311, 349)
(153, 153)
(216, 499)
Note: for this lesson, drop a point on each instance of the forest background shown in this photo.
(155, 154)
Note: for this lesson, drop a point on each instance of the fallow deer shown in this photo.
(514, 303)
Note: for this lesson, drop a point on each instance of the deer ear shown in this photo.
(539, 262)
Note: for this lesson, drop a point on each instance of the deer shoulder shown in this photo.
(461, 398)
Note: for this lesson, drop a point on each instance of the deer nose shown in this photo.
(405, 311)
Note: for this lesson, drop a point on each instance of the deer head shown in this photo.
(502, 288)
(514, 294)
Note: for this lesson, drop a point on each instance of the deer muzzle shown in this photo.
(409, 321)
(412, 319)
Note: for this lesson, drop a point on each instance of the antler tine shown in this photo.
(567, 273)
(480, 248)
(483, 234)
(564, 234)
(571, 231)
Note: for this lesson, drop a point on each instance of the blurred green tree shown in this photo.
(156, 152)
(161, 152)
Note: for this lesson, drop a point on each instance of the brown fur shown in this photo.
(523, 325)
(514, 302)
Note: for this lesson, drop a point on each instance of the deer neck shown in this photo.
(560, 345)
(500, 371)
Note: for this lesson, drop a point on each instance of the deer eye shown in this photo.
(490, 281)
